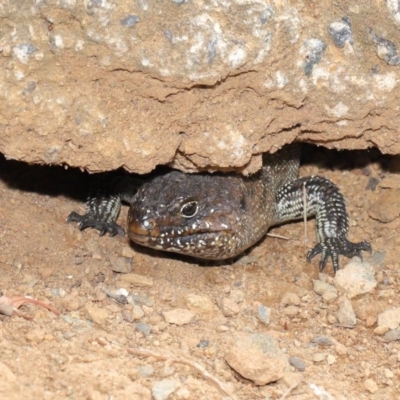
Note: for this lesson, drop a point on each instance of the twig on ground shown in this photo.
(10, 305)
(320, 392)
(286, 394)
(275, 235)
(210, 378)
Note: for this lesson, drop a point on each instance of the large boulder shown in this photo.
(197, 84)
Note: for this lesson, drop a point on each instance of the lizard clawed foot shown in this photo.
(332, 247)
(88, 221)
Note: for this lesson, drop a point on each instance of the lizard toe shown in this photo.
(88, 221)
(332, 247)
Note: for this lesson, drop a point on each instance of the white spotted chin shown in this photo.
(209, 245)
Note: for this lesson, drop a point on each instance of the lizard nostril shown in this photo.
(142, 227)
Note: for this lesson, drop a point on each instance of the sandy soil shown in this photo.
(90, 351)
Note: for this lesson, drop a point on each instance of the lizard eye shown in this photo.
(190, 209)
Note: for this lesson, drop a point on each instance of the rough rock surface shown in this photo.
(257, 357)
(356, 278)
(179, 316)
(104, 84)
(387, 207)
(389, 318)
(345, 314)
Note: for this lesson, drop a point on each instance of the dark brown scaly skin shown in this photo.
(218, 216)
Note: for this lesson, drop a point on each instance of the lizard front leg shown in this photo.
(104, 203)
(101, 213)
(326, 203)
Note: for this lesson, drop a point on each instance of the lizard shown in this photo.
(219, 215)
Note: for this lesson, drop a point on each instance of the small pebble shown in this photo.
(96, 314)
(137, 280)
(57, 358)
(122, 292)
(127, 252)
(121, 265)
(46, 272)
(322, 340)
(381, 330)
(167, 370)
(386, 207)
(69, 335)
(183, 393)
(370, 321)
(237, 295)
(297, 363)
(346, 315)
(256, 357)
(388, 373)
(127, 316)
(179, 316)
(202, 344)
(330, 359)
(129, 21)
(389, 318)
(93, 249)
(145, 370)
(35, 335)
(210, 352)
(327, 291)
(356, 278)
(371, 386)
(144, 328)
(222, 328)
(392, 335)
(291, 310)
(140, 299)
(120, 295)
(332, 319)
(318, 357)
(290, 299)
(229, 307)
(161, 390)
(341, 349)
(199, 302)
(330, 296)
(102, 341)
(264, 314)
(137, 312)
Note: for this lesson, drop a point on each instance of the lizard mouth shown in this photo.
(146, 231)
(201, 243)
(155, 236)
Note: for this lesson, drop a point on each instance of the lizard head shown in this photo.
(193, 214)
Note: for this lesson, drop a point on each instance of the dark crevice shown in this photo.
(73, 183)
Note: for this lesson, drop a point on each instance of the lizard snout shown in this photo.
(144, 227)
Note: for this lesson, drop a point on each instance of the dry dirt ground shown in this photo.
(91, 351)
